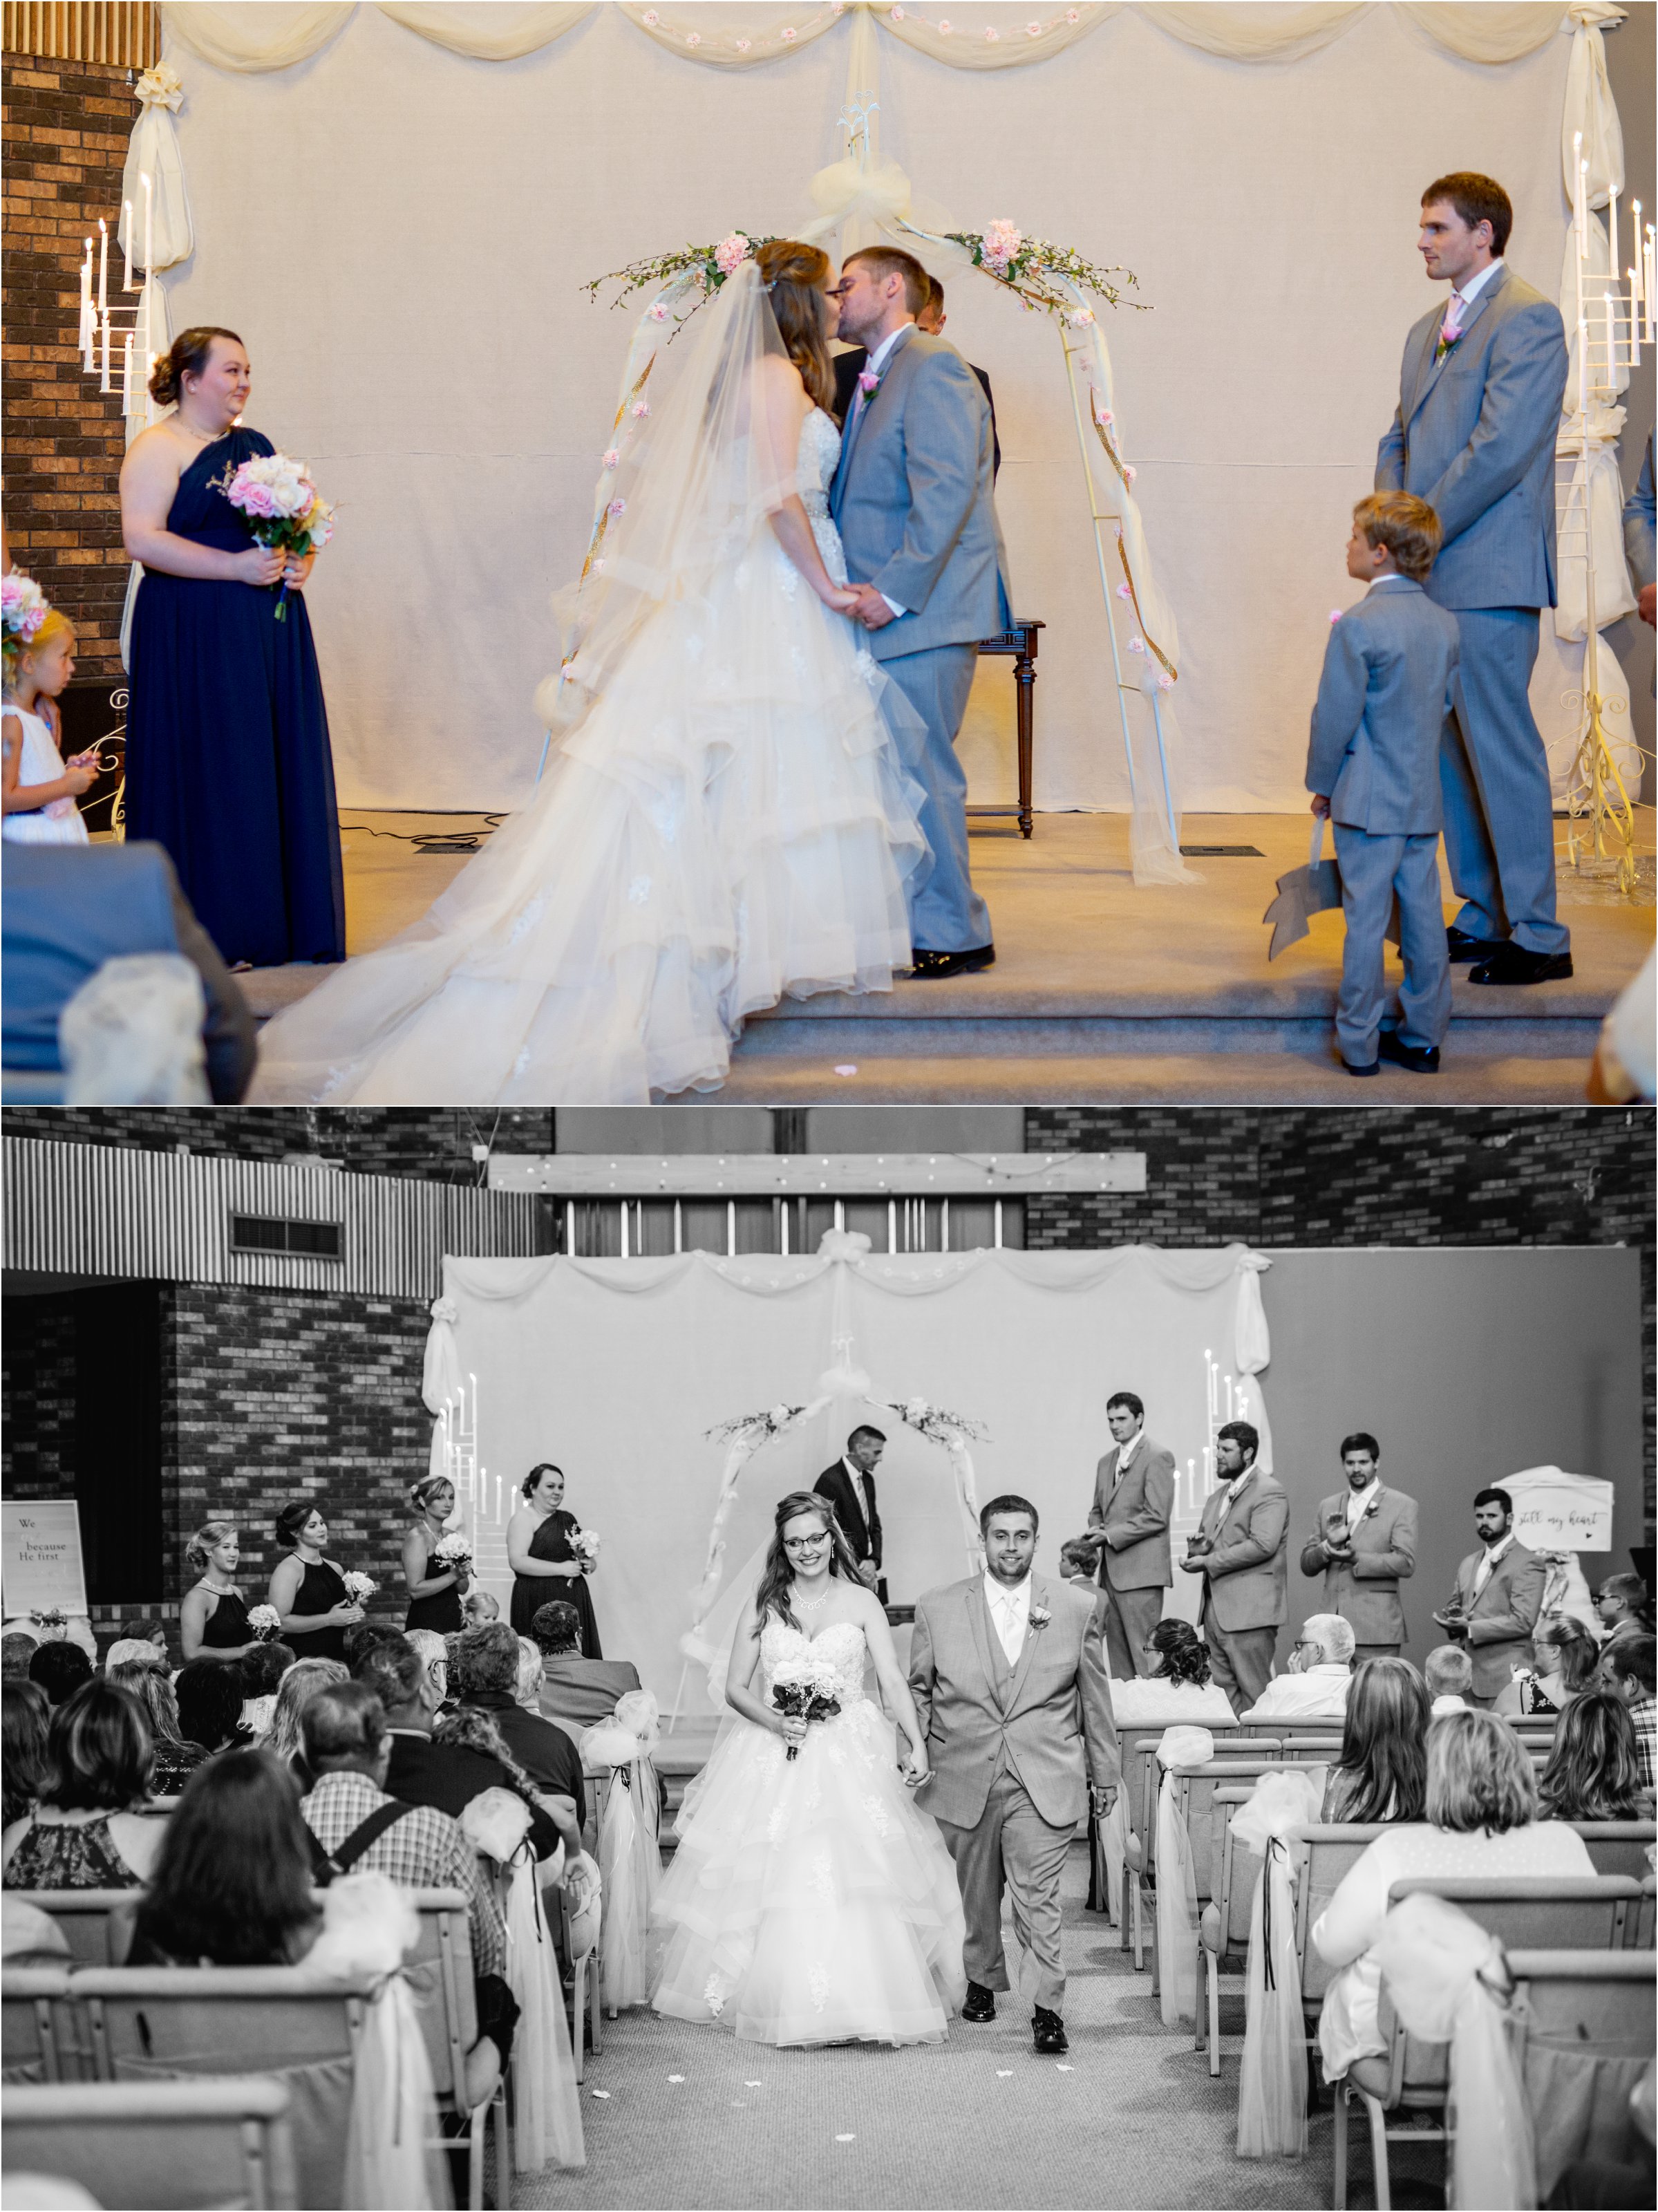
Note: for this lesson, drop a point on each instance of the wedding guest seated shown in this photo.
(286, 1741)
(86, 1830)
(1566, 1657)
(231, 1884)
(484, 1672)
(263, 1668)
(1624, 1604)
(448, 1775)
(1449, 1673)
(346, 1748)
(210, 1695)
(176, 1759)
(363, 1633)
(25, 1717)
(15, 1652)
(1179, 1688)
(1383, 1772)
(60, 1668)
(144, 1628)
(1482, 1809)
(434, 1658)
(1627, 1669)
(576, 1691)
(1321, 1674)
(130, 1651)
(478, 1609)
(1594, 1772)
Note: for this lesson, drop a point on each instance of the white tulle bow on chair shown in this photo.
(1273, 2079)
(617, 1752)
(1180, 1750)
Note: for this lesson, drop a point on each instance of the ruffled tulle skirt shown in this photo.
(729, 825)
(809, 1901)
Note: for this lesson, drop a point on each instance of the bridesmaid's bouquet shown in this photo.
(265, 1622)
(453, 1553)
(585, 1544)
(807, 1687)
(360, 1586)
(282, 506)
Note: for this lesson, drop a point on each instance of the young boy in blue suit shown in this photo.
(1373, 768)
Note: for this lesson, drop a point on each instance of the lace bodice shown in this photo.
(841, 1645)
(820, 454)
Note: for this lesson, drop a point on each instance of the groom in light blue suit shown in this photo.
(1474, 436)
(913, 501)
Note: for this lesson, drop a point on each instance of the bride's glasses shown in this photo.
(805, 1543)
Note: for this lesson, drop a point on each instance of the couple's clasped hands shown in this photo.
(863, 602)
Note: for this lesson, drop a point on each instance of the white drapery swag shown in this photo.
(617, 1754)
(1272, 2078)
(1180, 1750)
(259, 35)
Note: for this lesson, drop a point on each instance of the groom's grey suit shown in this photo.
(913, 501)
(1013, 1750)
(1474, 436)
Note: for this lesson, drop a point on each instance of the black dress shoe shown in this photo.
(1420, 1059)
(1049, 2030)
(1512, 963)
(980, 2003)
(934, 966)
(1369, 1067)
(1462, 946)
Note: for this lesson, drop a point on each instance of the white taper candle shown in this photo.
(126, 374)
(1611, 351)
(103, 266)
(103, 384)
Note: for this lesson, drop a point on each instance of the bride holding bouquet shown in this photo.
(809, 1900)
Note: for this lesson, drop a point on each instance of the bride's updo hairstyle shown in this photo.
(778, 1576)
(187, 356)
(794, 276)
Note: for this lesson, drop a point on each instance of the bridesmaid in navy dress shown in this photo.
(545, 1563)
(213, 1618)
(435, 1591)
(308, 1590)
(227, 759)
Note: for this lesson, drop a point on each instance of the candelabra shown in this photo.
(128, 324)
(1612, 326)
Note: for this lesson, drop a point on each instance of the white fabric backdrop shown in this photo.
(399, 232)
(614, 1368)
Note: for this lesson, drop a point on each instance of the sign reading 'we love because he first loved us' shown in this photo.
(40, 1557)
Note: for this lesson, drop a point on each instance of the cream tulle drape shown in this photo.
(257, 37)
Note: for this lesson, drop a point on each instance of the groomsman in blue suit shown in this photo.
(1475, 434)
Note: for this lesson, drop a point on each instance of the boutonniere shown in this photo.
(1371, 1509)
(1039, 1616)
(1446, 345)
(868, 382)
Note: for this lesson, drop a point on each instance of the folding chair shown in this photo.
(579, 1932)
(1592, 2011)
(440, 1972)
(1224, 1924)
(1618, 1846)
(1141, 1778)
(159, 2144)
(1196, 1810)
(1330, 1852)
(38, 2038)
(96, 1923)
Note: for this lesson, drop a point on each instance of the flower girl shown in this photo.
(39, 788)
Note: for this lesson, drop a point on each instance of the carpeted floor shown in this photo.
(678, 2116)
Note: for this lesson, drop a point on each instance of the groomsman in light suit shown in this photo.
(1133, 1503)
(1365, 1546)
(1498, 1595)
(1473, 436)
(1239, 1551)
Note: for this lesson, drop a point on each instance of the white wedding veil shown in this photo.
(689, 493)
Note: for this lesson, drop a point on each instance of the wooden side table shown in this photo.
(1019, 644)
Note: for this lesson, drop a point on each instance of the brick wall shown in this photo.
(428, 1144)
(36, 1397)
(66, 126)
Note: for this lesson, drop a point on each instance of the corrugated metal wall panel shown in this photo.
(92, 1210)
(124, 33)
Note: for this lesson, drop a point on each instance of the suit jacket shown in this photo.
(848, 367)
(1474, 437)
(1244, 1580)
(1638, 525)
(583, 1691)
(1364, 1591)
(67, 910)
(1134, 1517)
(1049, 1717)
(913, 499)
(1382, 699)
(1502, 1618)
(863, 1535)
(449, 1776)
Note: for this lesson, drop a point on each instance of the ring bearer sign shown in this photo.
(41, 1558)
(1554, 1511)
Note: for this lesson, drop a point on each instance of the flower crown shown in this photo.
(23, 606)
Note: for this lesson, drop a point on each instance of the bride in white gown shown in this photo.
(809, 1901)
(725, 820)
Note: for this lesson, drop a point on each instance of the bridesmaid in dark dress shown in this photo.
(213, 1618)
(308, 1590)
(544, 1565)
(228, 758)
(434, 1596)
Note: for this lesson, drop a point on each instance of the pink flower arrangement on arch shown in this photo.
(731, 253)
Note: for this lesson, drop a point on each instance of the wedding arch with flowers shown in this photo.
(862, 201)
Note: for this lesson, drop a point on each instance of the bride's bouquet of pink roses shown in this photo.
(806, 1688)
(283, 507)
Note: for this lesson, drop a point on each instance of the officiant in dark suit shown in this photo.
(931, 320)
(849, 1485)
